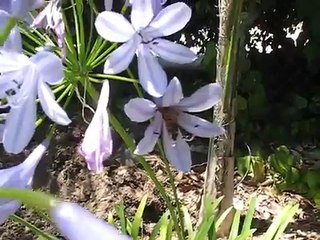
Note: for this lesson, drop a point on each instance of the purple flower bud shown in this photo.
(97, 143)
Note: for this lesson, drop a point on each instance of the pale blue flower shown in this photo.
(143, 37)
(23, 80)
(14, 41)
(76, 223)
(169, 111)
(157, 5)
(19, 176)
(97, 143)
(51, 18)
(20, 8)
(15, 9)
(108, 5)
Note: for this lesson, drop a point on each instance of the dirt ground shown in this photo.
(63, 172)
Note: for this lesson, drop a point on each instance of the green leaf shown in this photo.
(244, 165)
(235, 225)
(210, 54)
(34, 199)
(280, 223)
(316, 199)
(312, 179)
(187, 222)
(137, 222)
(121, 214)
(222, 217)
(249, 215)
(286, 219)
(7, 29)
(300, 102)
(159, 225)
(246, 235)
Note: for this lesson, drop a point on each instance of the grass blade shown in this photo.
(138, 218)
(187, 222)
(163, 220)
(235, 226)
(249, 215)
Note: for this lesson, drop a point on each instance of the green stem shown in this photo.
(174, 189)
(99, 59)
(135, 84)
(7, 29)
(113, 77)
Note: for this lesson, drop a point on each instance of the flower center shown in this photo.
(169, 115)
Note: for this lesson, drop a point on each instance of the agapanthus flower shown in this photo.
(19, 176)
(108, 5)
(97, 143)
(20, 8)
(143, 37)
(76, 223)
(51, 18)
(13, 42)
(23, 80)
(15, 9)
(170, 115)
(156, 4)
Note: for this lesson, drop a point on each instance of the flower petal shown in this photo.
(49, 66)
(198, 126)
(152, 77)
(19, 176)
(2, 127)
(14, 41)
(204, 98)
(12, 61)
(120, 58)
(114, 27)
(173, 95)
(157, 5)
(177, 151)
(104, 96)
(140, 109)
(21, 8)
(172, 52)
(169, 20)
(50, 106)
(20, 126)
(151, 136)
(97, 143)
(7, 209)
(76, 223)
(141, 13)
(5, 5)
(108, 5)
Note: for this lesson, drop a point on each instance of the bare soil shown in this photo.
(63, 173)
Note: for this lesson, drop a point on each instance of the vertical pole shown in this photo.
(219, 174)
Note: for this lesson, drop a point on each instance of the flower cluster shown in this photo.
(143, 37)
(25, 78)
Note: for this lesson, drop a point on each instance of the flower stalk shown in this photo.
(221, 152)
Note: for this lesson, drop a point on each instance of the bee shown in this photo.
(170, 117)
